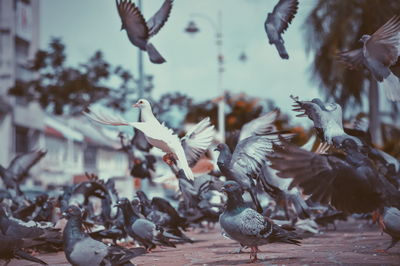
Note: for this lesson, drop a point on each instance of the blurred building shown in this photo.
(22, 124)
(74, 146)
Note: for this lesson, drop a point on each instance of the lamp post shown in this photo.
(140, 64)
(192, 29)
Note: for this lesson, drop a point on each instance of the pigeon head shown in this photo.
(231, 187)
(221, 147)
(72, 211)
(122, 202)
(365, 38)
(142, 103)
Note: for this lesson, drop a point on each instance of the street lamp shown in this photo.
(192, 29)
(140, 63)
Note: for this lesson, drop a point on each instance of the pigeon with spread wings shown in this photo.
(185, 152)
(140, 31)
(278, 21)
(349, 181)
(380, 51)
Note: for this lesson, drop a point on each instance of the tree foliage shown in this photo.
(337, 25)
(60, 88)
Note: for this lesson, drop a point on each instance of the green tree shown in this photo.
(337, 25)
(60, 88)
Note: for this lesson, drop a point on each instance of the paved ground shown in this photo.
(351, 244)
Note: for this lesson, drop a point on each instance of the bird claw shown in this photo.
(380, 251)
(169, 159)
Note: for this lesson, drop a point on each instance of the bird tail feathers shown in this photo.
(284, 236)
(154, 55)
(23, 255)
(391, 85)
(281, 50)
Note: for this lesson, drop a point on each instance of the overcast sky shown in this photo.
(191, 67)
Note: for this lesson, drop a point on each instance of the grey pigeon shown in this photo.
(139, 31)
(390, 223)
(81, 250)
(380, 51)
(244, 164)
(142, 230)
(278, 21)
(247, 226)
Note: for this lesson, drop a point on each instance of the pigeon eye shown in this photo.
(141, 102)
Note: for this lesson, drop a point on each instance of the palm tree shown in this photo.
(337, 25)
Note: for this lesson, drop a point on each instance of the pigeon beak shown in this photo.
(64, 215)
(136, 105)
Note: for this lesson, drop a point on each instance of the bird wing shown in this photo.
(106, 119)
(259, 126)
(251, 223)
(250, 154)
(384, 44)
(21, 164)
(352, 59)
(157, 21)
(327, 178)
(132, 19)
(197, 140)
(283, 14)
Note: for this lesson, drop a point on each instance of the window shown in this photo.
(89, 157)
(21, 139)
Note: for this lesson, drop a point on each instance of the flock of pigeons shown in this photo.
(344, 175)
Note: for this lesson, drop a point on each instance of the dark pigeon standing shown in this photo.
(380, 51)
(81, 250)
(278, 21)
(247, 226)
(142, 230)
(139, 31)
(160, 212)
(11, 248)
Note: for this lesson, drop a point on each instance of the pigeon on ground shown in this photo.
(244, 164)
(160, 212)
(139, 31)
(81, 250)
(389, 220)
(247, 226)
(142, 230)
(11, 227)
(11, 248)
(380, 51)
(278, 21)
(184, 152)
(349, 180)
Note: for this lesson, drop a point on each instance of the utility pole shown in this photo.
(140, 63)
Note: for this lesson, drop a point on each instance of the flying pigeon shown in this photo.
(258, 126)
(244, 164)
(380, 51)
(185, 152)
(19, 169)
(278, 21)
(80, 249)
(139, 31)
(247, 226)
(350, 181)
